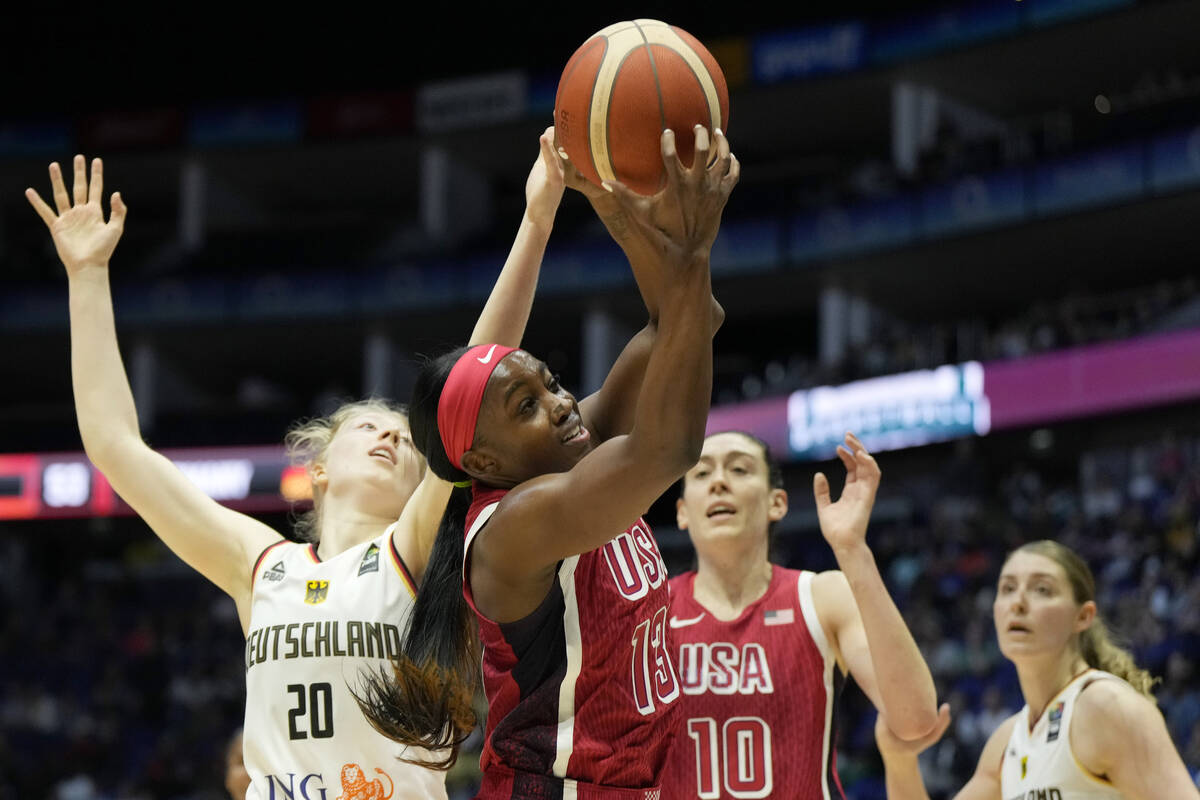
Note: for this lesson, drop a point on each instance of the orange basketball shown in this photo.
(626, 84)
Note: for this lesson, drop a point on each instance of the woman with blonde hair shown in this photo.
(319, 614)
(1089, 728)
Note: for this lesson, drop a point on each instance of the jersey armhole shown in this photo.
(1096, 677)
(401, 567)
(258, 563)
(484, 515)
(808, 608)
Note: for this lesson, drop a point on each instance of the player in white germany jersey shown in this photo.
(304, 735)
(1089, 729)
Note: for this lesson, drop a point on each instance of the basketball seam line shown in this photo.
(662, 113)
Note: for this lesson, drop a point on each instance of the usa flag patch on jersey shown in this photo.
(782, 616)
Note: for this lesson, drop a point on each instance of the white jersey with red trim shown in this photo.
(315, 628)
(1039, 763)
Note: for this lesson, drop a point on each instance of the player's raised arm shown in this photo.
(218, 542)
(865, 625)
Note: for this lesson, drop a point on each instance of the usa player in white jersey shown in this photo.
(316, 615)
(1089, 729)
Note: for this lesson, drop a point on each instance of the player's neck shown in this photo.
(729, 582)
(1042, 678)
(344, 526)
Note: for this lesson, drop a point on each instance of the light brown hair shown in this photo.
(1096, 644)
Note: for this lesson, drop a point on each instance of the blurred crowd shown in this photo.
(127, 682)
(1076, 319)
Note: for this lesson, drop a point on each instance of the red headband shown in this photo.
(458, 407)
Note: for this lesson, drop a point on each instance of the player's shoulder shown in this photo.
(1108, 703)
(1110, 721)
(831, 587)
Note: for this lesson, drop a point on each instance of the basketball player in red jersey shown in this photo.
(564, 578)
(762, 651)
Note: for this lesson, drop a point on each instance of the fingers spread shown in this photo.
(671, 163)
(39, 205)
(723, 150)
(733, 175)
(62, 201)
(80, 185)
(96, 187)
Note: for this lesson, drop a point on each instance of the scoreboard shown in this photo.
(58, 485)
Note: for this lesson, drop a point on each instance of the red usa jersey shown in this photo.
(758, 696)
(582, 694)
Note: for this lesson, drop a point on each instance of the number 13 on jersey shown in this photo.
(653, 672)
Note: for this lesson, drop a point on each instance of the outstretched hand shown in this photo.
(844, 523)
(544, 186)
(683, 218)
(81, 236)
(890, 744)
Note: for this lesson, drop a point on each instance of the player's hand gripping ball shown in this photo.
(623, 87)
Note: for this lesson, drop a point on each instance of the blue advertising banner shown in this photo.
(748, 246)
(278, 295)
(36, 138)
(407, 286)
(1175, 160)
(174, 301)
(1095, 178)
(598, 265)
(923, 33)
(812, 51)
(974, 201)
(849, 230)
(1049, 12)
(249, 124)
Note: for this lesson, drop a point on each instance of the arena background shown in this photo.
(319, 197)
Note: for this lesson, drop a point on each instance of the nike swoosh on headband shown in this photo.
(488, 357)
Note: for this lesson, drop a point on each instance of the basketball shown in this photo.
(623, 87)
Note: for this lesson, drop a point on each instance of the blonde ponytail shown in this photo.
(1101, 652)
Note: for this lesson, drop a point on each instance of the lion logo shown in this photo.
(356, 787)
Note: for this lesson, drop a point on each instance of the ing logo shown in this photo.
(316, 592)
